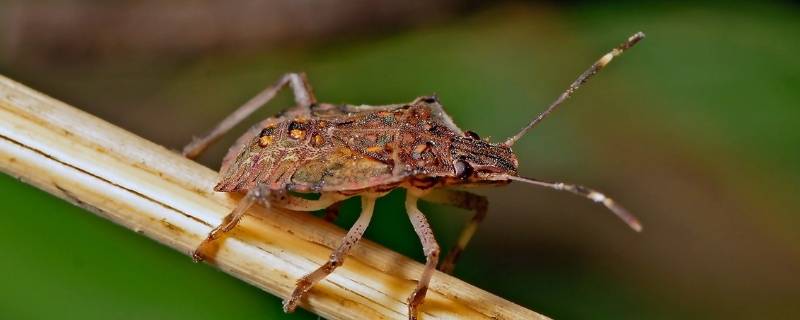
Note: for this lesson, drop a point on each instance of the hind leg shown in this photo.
(290, 202)
(263, 195)
(259, 193)
(303, 96)
(337, 257)
(330, 201)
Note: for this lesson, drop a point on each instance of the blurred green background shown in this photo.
(697, 130)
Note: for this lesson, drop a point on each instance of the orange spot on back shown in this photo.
(345, 152)
(420, 148)
(374, 149)
(317, 140)
(265, 141)
(297, 134)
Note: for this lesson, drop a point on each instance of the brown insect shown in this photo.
(341, 151)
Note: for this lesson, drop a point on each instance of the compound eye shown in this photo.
(430, 99)
(472, 135)
(462, 169)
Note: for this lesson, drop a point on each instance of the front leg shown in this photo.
(464, 200)
(431, 249)
(303, 96)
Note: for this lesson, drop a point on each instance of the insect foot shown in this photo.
(415, 300)
(198, 255)
(429, 246)
(258, 194)
(305, 283)
(291, 303)
(336, 258)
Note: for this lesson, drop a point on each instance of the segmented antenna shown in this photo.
(591, 194)
(585, 76)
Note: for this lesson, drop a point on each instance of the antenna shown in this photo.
(593, 195)
(583, 78)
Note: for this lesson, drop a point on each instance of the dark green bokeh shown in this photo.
(696, 130)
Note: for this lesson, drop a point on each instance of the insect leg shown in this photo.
(288, 201)
(231, 220)
(463, 200)
(332, 212)
(303, 96)
(431, 249)
(337, 257)
(329, 201)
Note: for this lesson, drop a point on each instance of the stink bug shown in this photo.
(341, 151)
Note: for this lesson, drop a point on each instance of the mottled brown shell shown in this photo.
(351, 148)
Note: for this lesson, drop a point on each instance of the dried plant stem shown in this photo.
(158, 193)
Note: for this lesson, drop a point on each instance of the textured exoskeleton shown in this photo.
(340, 151)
